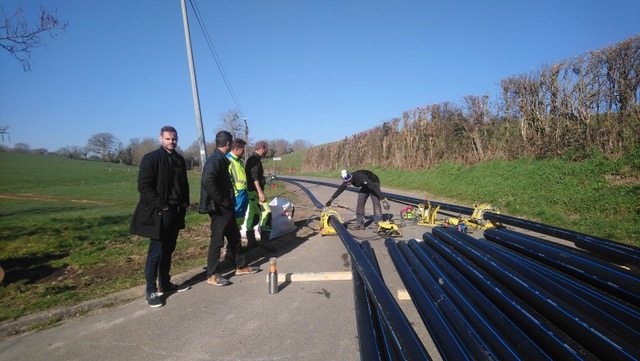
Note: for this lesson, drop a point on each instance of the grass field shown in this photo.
(64, 232)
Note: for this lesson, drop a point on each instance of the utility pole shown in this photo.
(246, 138)
(194, 87)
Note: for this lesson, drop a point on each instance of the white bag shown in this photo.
(281, 220)
(281, 217)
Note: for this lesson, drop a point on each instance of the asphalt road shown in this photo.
(306, 320)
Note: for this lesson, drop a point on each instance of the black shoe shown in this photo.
(172, 288)
(154, 300)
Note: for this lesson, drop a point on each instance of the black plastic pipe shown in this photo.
(491, 323)
(611, 278)
(619, 252)
(616, 315)
(365, 320)
(577, 325)
(410, 345)
(490, 343)
(388, 345)
(442, 333)
(546, 334)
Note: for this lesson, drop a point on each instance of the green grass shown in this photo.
(288, 162)
(599, 197)
(64, 232)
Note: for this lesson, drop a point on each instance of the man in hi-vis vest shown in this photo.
(239, 179)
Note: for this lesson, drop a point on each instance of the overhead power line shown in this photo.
(216, 58)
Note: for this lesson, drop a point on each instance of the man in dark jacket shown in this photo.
(369, 184)
(159, 215)
(218, 200)
(259, 210)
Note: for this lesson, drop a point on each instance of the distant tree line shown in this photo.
(570, 109)
(108, 148)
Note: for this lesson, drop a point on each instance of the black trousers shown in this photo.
(223, 225)
(158, 263)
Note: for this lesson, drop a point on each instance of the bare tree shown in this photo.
(279, 146)
(140, 148)
(192, 154)
(104, 145)
(22, 148)
(232, 123)
(19, 36)
(73, 152)
(300, 144)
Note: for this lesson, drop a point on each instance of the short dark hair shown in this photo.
(222, 138)
(261, 144)
(168, 128)
(238, 143)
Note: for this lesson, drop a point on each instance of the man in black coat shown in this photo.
(259, 212)
(217, 199)
(369, 184)
(159, 215)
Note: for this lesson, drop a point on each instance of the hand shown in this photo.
(385, 204)
(328, 204)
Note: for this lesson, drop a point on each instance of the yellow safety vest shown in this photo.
(237, 173)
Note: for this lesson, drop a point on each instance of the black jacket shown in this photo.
(254, 172)
(216, 184)
(366, 180)
(155, 179)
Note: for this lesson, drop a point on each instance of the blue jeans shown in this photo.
(160, 250)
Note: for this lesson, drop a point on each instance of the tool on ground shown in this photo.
(327, 229)
(388, 229)
(427, 214)
(408, 212)
(476, 221)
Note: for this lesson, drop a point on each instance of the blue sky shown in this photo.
(300, 69)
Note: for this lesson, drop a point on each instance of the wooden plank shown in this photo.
(403, 295)
(312, 276)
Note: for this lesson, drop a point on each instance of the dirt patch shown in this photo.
(615, 180)
(40, 197)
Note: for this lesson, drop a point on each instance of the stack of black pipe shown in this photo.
(515, 296)
(509, 296)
